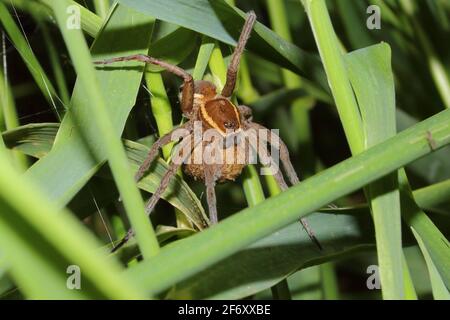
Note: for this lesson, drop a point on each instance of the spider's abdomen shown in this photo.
(230, 169)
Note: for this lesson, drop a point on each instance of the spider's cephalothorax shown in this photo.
(201, 103)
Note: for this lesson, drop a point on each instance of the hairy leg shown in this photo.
(284, 152)
(211, 174)
(230, 84)
(187, 98)
(262, 153)
(153, 153)
(267, 161)
(173, 167)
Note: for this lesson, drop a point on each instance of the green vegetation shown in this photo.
(364, 113)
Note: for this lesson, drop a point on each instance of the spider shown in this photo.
(201, 103)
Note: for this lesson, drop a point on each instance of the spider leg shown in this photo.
(262, 154)
(153, 153)
(187, 95)
(173, 167)
(284, 152)
(232, 71)
(266, 160)
(210, 182)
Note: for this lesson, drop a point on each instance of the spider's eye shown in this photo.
(229, 124)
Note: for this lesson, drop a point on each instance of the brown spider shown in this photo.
(201, 103)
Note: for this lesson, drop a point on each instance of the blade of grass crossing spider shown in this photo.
(242, 229)
(372, 80)
(268, 261)
(22, 45)
(36, 140)
(115, 152)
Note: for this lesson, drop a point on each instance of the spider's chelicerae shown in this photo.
(201, 103)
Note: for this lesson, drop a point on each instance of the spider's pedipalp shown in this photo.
(246, 113)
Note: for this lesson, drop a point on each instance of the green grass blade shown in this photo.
(71, 161)
(433, 195)
(203, 57)
(114, 150)
(36, 140)
(330, 288)
(427, 234)
(268, 261)
(161, 109)
(335, 69)
(223, 22)
(299, 110)
(90, 22)
(35, 233)
(410, 291)
(102, 7)
(251, 183)
(372, 80)
(432, 168)
(8, 114)
(242, 229)
(58, 72)
(440, 290)
(22, 45)
(436, 67)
